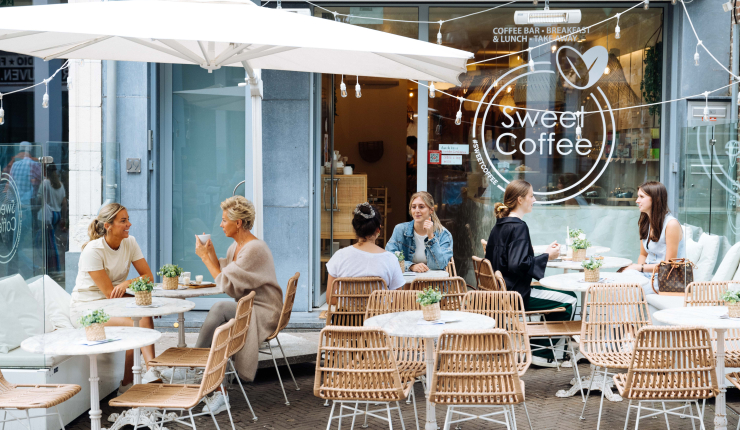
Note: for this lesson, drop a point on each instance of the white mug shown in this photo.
(185, 275)
(198, 279)
(186, 280)
(348, 170)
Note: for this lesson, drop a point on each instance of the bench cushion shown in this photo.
(20, 358)
(664, 302)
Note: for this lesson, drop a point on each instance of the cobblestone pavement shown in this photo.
(307, 412)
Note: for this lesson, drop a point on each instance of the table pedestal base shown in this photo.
(596, 386)
(147, 418)
(431, 417)
(720, 409)
(95, 412)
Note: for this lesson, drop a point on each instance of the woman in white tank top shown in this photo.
(661, 237)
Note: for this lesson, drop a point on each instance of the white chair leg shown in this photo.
(665, 415)
(448, 418)
(61, 422)
(228, 407)
(390, 419)
(28, 420)
(403, 425)
(364, 424)
(513, 416)
(192, 420)
(601, 403)
(287, 364)
(254, 416)
(269, 345)
(5, 415)
(331, 414)
(588, 393)
(554, 356)
(354, 415)
(416, 413)
(527, 413)
(701, 415)
(637, 421)
(629, 410)
(574, 360)
(214, 419)
(506, 417)
(136, 421)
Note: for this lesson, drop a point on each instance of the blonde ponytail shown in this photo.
(107, 214)
(429, 202)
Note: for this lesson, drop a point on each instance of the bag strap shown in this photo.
(652, 277)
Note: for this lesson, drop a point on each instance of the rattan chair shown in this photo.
(453, 290)
(184, 397)
(669, 364)
(615, 313)
(359, 367)
(460, 382)
(451, 269)
(499, 278)
(284, 319)
(484, 276)
(22, 397)
(198, 357)
(709, 294)
(351, 296)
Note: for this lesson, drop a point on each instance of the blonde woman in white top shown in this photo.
(103, 268)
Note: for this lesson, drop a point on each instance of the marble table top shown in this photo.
(569, 281)
(123, 307)
(410, 276)
(404, 324)
(65, 342)
(600, 250)
(607, 263)
(701, 316)
(183, 292)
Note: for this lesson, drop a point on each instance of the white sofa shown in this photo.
(36, 307)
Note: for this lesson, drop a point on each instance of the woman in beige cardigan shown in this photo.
(248, 267)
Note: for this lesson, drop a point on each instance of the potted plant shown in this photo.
(142, 288)
(591, 269)
(579, 249)
(401, 260)
(429, 300)
(169, 274)
(732, 301)
(93, 323)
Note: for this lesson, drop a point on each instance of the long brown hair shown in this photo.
(658, 209)
(429, 201)
(516, 188)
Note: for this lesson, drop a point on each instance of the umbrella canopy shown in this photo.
(215, 34)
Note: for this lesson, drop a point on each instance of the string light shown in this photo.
(508, 89)
(458, 116)
(439, 33)
(432, 90)
(2, 111)
(45, 99)
(579, 121)
(343, 88)
(696, 54)
(617, 30)
(705, 117)
(553, 48)
(531, 60)
(647, 4)
(279, 4)
(673, 2)
(358, 92)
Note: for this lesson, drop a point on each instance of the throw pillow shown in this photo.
(55, 302)
(20, 314)
(728, 266)
(710, 250)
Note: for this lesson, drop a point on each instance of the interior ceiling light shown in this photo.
(546, 17)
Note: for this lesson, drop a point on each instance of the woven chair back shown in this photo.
(615, 313)
(451, 269)
(705, 293)
(484, 244)
(507, 309)
(671, 363)
(287, 305)
(484, 275)
(409, 349)
(351, 296)
(241, 324)
(474, 368)
(453, 290)
(213, 374)
(500, 281)
(5, 386)
(358, 364)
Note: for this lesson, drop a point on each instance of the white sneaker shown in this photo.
(151, 375)
(216, 403)
(123, 388)
(543, 362)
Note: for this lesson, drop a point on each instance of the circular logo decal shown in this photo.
(10, 218)
(580, 71)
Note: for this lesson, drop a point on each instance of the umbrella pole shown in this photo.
(254, 158)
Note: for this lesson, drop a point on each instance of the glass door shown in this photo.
(207, 147)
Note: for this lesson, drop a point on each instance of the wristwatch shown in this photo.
(642, 268)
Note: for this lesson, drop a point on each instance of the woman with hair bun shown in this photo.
(248, 267)
(425, 243)
(364, 258)
(510, 251)
(104, 264)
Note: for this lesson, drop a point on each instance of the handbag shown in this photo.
(673, 276)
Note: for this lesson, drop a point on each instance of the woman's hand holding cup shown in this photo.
(201, 249)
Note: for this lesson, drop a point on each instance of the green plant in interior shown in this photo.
(94, 317)
(731, 296)
(429, 297)
(170, 271)
(399, 255)
(142, 284)
(591, 264)
(652, 77)
(573, 234)
(581, 243)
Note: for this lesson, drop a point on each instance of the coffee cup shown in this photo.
(198, 279)
(348, 170)
(204, 238)
(186, 280)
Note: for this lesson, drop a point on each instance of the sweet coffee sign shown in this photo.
(10, 218)
(579, 71)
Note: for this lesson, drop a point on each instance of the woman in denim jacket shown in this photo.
(425, 244)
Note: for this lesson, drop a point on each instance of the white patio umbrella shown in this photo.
(214, 34)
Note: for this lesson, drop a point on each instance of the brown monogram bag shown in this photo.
(673, 276)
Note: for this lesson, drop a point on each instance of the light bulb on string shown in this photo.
(2, 111)
(705, 116)
(508, 89)
(432, 90)
(673, 2)
(458, 116)
(553, 48)
(606, 70)
(279, 4)
(579, 119)
(696, 54)
(439, 33)
(617, 30)
(45, 99)
(358, 91)
(647, 4)
(343, 88)
(495, 85)
(531, 60)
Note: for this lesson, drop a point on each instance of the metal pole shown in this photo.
(110, 151)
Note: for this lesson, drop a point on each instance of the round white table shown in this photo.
(405, 324)
(606, 263)
(66, 342)
(709, 317)
(600, 250)
(182, 293)
(410, 276)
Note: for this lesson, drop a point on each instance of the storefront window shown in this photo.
(370, 17)
(587, 181)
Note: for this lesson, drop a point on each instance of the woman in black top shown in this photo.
(509, 250)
